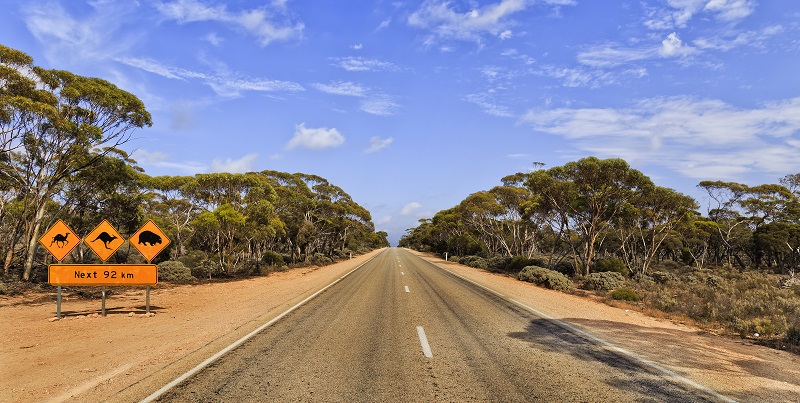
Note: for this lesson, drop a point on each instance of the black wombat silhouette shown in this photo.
(148, 237)
(106, 238)
(60, 240)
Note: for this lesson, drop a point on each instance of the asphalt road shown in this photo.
(364, 339)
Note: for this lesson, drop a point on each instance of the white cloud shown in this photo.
(242, 165)
(376, 144)
(357, 46)
(315, 138)
(413, 209)
(701, 138)
(384, 24)
(346, 88)
(383, 220)
(256, 21)
(213, 39)
(507, 34)
(674, 46)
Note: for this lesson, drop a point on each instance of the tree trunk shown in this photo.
(33, 242)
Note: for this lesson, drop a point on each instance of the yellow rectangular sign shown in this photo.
(103, 274)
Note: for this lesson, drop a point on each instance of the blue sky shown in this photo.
(410, 106)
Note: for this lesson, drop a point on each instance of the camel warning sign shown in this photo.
(149, 240)
(59, 240)
(104, 240)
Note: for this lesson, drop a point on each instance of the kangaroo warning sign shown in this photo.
(59, 240)
(104, 240)
(149, 240)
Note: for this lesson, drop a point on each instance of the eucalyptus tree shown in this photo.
(587, 195)
(171, 200)
(62, 123)
(647, 220)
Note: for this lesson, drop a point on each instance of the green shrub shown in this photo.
(454, 259)
(662, 277)
(625, 294)
(3, 288)
(715, 281)
(173, 271)
(564, 267)
(498, 263)
(474, 261)
(546, 278)
(272, 258)
(611, 264)
(604, 281)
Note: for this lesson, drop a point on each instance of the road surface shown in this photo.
(401, 329)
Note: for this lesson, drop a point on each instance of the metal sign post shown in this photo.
(58, 303)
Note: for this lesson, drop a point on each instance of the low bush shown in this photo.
(546, 278)
(498, 264)
(173, 271)
(603, 281)
(662, 277)
(611, 264)
(625, 294)
(474, 261)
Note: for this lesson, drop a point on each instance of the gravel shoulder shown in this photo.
(126, 355)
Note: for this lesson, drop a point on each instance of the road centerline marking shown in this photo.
(423, 340)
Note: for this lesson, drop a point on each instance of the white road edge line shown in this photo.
(590, 336)
(155, 395)
(426, 348)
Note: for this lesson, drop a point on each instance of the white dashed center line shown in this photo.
(426, 348)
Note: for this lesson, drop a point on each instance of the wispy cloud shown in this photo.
(346, 88)
(612, 55)
(315, 138)
(258, 22)
(489, 105)
(376, 144)
(678, 13)
(381, 105)
(446, 22)
(363, 64)
(696, 137)
(223, 82)
(158, 159)
(86, 39)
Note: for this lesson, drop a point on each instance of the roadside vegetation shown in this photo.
(61, 158)
(600, 227)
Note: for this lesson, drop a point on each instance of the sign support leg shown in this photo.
(147, 301)
(104, 301)
(58, 303)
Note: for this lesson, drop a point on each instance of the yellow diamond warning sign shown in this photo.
(104, 240)
(59, 240)
(149, 240)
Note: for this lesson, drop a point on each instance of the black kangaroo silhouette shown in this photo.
(60, 240)
(106, 238)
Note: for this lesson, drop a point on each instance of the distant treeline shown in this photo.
(595, 209)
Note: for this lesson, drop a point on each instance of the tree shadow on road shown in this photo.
(628, 373)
